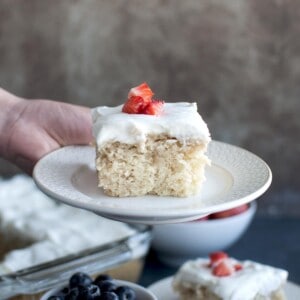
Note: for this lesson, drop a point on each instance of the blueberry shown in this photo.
(109, 296)
(65, 291)
(90, 292)
(125, 293)
(72, 295)
(107, 286)
(55, 298)
(80, 279)
(102, 277)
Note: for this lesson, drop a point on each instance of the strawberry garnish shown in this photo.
(134, 105)
(223, 268)
(143, 90)
(216, 257)
(222, 265)
(238, 267)
(140, 102)
(154, 107)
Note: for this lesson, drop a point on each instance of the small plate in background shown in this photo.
(163, 290)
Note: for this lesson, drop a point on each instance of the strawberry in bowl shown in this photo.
(229, 212)
(176, 243)
(225, 213)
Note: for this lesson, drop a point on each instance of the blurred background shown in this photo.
(238, 59)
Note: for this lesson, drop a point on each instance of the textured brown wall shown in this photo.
(239, 59)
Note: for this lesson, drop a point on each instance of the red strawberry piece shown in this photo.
(223, 268)
(230, 212)
(238, 267)
(155, 107)
(216, 257)
(143, 90)
(134, 105)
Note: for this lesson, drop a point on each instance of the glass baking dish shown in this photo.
(123, 259)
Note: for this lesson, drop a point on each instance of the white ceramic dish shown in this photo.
(141, 292)
(176, 243)
(235, 177)
(163, 290)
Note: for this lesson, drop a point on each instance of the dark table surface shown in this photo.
(269, 240)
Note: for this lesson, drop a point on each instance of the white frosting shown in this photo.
(253, 279)
(178, 120)
(57, 230)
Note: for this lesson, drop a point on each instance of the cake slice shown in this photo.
(147, 146)
(224, 278)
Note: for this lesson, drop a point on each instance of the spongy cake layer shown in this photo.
(160, 166)
(203, 293)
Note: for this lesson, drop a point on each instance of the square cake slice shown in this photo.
(150, 147)
(224, 278)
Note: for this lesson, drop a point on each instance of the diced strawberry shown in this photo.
(155, 107)
(143, 90)
(223, 268)
(238, 267)
(134, 105)
(217, 256)
(140, 101)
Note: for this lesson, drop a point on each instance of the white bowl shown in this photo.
(177, 243)
(141, 292)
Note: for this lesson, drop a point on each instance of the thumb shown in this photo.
(73, 127)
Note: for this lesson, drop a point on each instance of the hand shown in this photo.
(33, 128)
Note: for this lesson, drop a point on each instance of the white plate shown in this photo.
(163, 290)
(235, 177)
